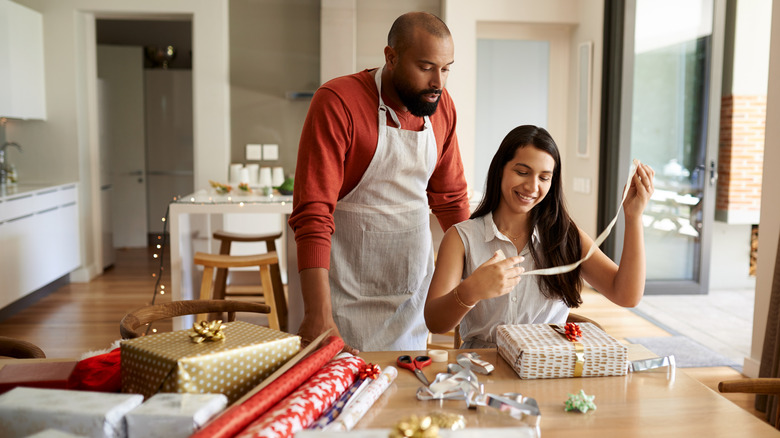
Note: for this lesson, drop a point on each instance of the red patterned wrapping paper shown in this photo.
(299, 409)
(238, 417)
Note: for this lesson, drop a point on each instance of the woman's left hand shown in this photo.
(640, 191)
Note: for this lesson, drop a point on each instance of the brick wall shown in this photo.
(741, 154)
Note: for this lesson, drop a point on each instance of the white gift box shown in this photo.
(173, 415)
(25, 411)
(54, 433)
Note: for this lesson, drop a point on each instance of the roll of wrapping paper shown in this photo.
(335, 409)
(240, 415)
(350, 416)
(299, 409)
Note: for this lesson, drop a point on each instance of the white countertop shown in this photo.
(12, 191)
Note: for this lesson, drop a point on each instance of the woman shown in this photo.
(523, 215)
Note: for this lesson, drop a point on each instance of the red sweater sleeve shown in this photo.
(319, 176)
(447, 189)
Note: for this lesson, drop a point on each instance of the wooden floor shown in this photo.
(82, 317)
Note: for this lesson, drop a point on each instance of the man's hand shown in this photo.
(312, 327)
(317, 316)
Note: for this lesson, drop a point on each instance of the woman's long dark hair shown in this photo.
(559, 238)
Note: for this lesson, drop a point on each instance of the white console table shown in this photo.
(192, 221)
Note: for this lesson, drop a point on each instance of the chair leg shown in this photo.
(205, 288)
(279, 297)
(270, 298)
(220, 283)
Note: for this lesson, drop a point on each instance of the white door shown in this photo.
(521, 80)
(121, 70)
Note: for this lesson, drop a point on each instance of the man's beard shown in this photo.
(413, 100)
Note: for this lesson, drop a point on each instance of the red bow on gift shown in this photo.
(369, 371)
(573, 331)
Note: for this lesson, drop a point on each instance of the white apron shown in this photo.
(382, 250)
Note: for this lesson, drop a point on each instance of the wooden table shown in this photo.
(647, 404)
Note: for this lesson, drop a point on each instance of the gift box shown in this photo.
(173, 415)
(54, 433)
(172, 362)
(25, 411)
(53, 375)
(542, 351)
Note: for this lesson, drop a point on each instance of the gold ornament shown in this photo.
(447, 420)
(415, 427)
(207, 331)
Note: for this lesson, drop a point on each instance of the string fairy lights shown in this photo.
(160, 246)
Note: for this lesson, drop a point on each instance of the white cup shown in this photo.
(244, 179)
(235, 173)
(253, 170)
(278, 176)
(264, 179)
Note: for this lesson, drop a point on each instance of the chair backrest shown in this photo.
(131, 322)
(16, 348)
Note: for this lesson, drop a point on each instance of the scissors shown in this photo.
(415, 366)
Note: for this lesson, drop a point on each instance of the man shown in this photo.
(369, 171)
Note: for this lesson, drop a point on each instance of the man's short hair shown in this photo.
(402, 29)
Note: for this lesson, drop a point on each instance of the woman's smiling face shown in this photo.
(526, 179)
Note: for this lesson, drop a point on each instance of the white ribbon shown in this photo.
(599, 240)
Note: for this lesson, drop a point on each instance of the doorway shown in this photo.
(521, 80)
(146, 128)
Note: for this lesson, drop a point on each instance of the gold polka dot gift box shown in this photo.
(544, 351)
(172, 362)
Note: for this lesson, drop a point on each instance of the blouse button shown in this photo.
(514, 299)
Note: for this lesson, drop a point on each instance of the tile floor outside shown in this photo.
(721, 320)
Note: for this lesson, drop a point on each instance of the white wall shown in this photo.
(63, 148)
(769, 228)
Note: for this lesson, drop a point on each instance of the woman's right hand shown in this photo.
(496, 277)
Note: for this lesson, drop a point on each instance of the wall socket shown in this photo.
(254, 152)
(270, 152)
(582, 185)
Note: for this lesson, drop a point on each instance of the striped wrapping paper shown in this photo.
(350, 416)
(299, 409)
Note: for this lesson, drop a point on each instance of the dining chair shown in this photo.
(761, 385)
(131, 325)
(271, 297)
(19, 349)
(223, 290)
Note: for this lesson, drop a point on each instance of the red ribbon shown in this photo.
(369, 371)
(573, 331)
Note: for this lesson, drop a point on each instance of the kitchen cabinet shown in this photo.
(39, 238)
(22, 88)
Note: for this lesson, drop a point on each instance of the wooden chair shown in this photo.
(761, 385)
(575, 318)
(263, 262)
(223, 290)
(18, 349)
(131, 325)
(457, 341)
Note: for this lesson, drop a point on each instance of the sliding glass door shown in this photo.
(669, 118)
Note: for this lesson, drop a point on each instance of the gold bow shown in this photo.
(207, 331)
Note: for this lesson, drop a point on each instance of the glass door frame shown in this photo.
(616, 135)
